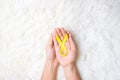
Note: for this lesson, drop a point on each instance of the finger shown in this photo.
(50, 41)
(67, 45)
(71, 41)
(63, 31)
(68, 33)
(59, 33)
(54, 39)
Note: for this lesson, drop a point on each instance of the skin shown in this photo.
(51, 64)
(54, 58)
(71, 47)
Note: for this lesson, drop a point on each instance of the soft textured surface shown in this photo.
(25, 26)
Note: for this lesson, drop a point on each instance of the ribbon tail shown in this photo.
(65, 38)
(58, 39)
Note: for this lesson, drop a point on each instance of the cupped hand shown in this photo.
(70, 45)
(50, 50)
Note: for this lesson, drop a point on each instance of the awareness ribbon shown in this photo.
(63, 49)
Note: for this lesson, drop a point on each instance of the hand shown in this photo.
(51, 65)
(50, 50)
(70, 45)
(53, 57)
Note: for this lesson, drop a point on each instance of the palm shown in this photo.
(70, 45)
(70, 58)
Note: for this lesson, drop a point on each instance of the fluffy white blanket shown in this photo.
(25, 26)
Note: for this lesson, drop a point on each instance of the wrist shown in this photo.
(69, 67)
(52, 64)
(71, 72)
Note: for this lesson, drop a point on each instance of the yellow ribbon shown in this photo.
(63, 49)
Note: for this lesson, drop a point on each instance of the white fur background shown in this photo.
(25, 26)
